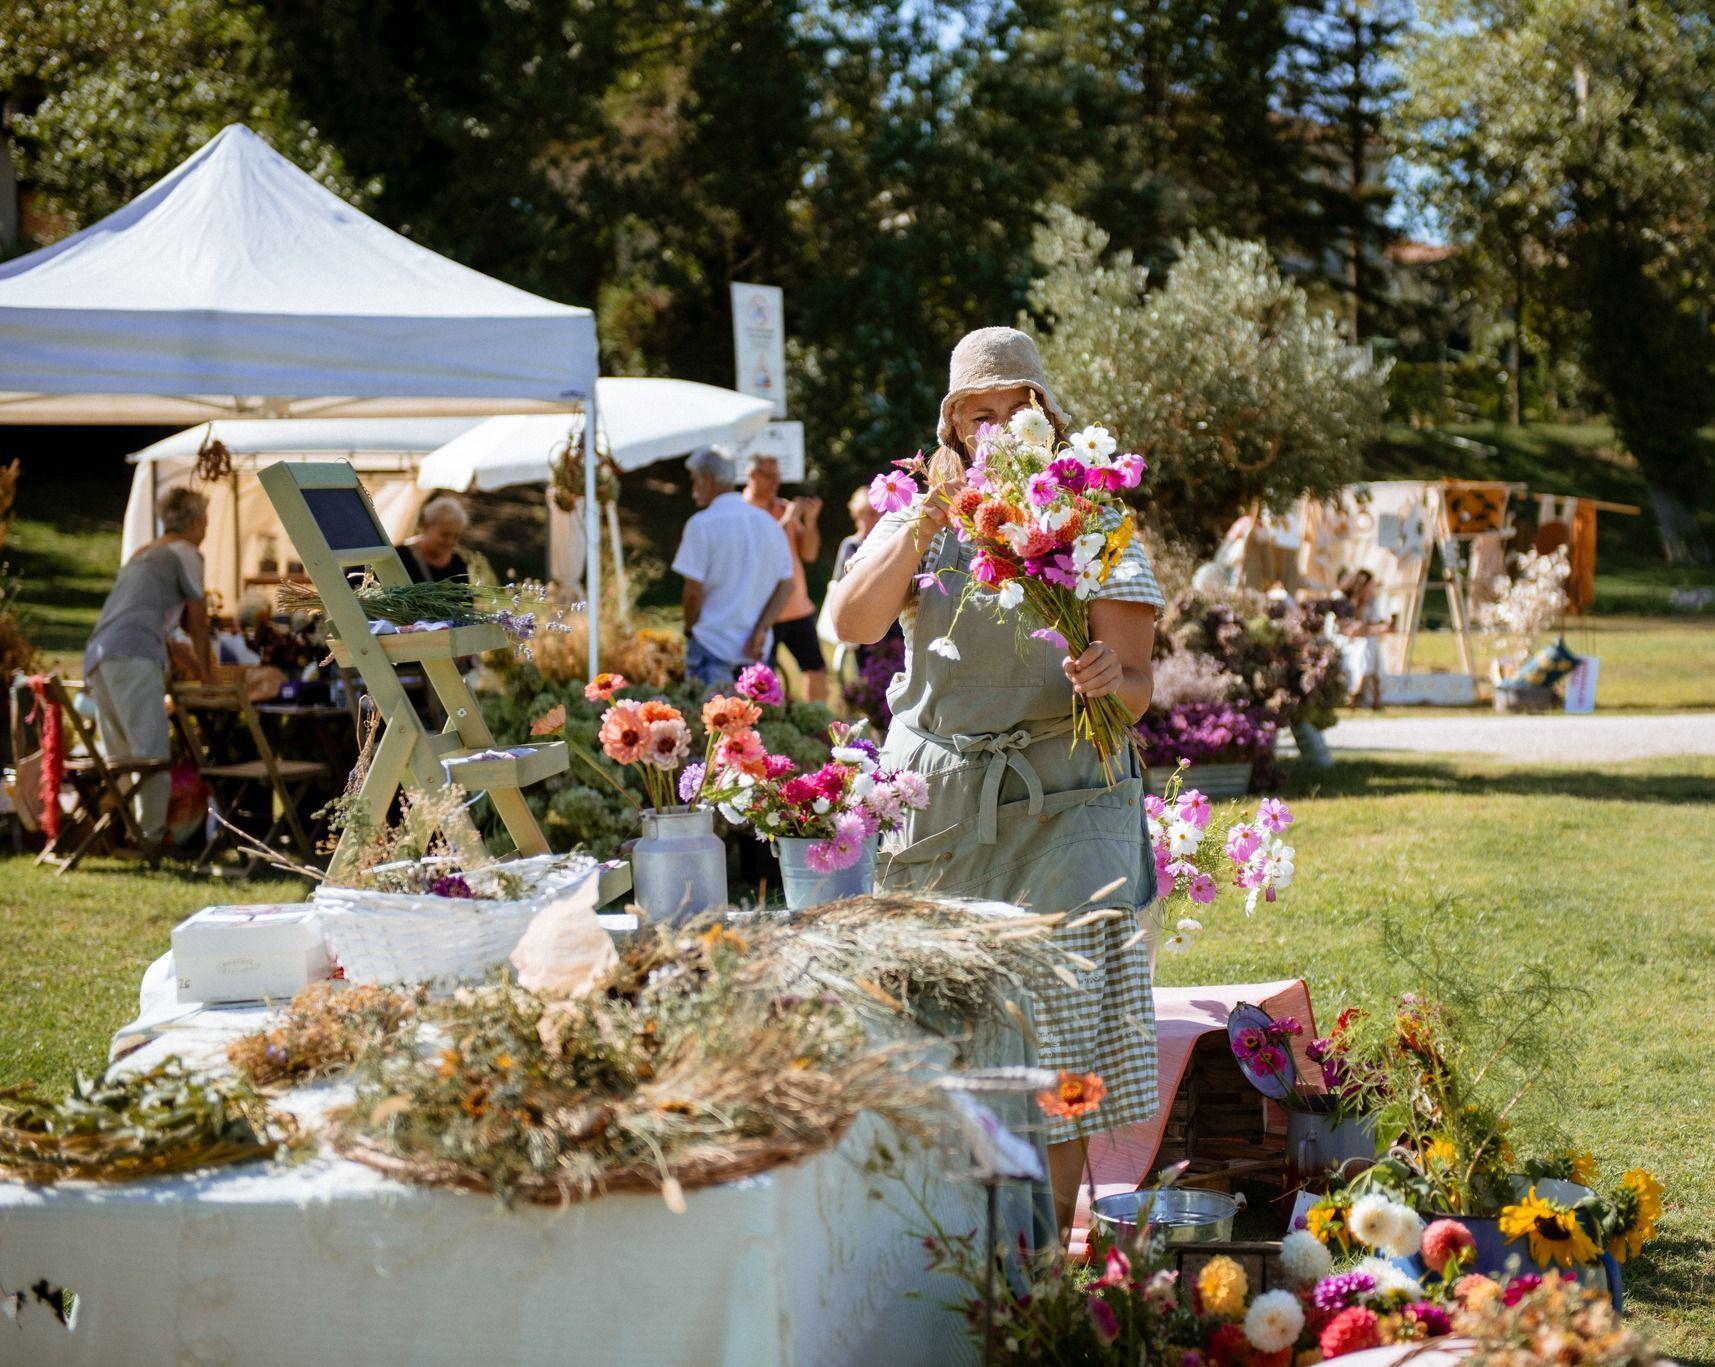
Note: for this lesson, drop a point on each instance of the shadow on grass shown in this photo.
(1369, 777)
(1671, 1274)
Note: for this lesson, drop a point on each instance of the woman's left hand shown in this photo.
(1096, 673)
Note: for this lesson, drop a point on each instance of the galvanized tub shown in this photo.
(1185, 1215)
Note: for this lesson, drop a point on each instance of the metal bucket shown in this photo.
(678, 868)
(1316, 1145)
(1185, 1215)
(805, 887)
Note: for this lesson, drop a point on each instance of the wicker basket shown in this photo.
(391, 937)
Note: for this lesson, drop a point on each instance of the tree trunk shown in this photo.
(1515, 366)
(1682, 540)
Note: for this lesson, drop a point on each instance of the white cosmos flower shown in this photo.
(1188, 925)
(1015, 534)
(1087, 547)
(1183, 839)
(1088, 582)
(1054, 519)
(1126, 569)
(1031, 425)
(1094, 444)
(1176, 943)
(944, 647)
(1010, 594)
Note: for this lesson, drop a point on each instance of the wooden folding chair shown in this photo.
(327, 513)
(103, 788)
(237, 785)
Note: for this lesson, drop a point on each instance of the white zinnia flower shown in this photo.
(1031, 425)
(1371, 1219)
(1010, 594)
(943, 646)
(1274, 1321)
(773, 818)
(1183, 839)
(1094, 444)
(1404, 1234)
(1390, 1278)
(1304, 1258)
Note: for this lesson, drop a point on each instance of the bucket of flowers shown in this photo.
(825, 826)
(1453, 1162)
(1049, 528)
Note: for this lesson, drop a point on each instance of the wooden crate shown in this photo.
(1221, 1125)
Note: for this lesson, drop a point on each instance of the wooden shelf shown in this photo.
(539, 760)
(442, 643)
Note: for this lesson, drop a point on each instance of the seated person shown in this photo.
(435, 553)
(125, 663)
(1358, 637)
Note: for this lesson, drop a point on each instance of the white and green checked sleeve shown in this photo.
(1132, 580)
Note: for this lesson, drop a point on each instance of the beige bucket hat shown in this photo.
(995, 358)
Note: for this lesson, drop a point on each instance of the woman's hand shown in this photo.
(1096, 673)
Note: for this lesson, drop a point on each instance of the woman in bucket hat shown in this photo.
(1016, 812)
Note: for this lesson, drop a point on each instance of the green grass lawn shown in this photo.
(1594, 873)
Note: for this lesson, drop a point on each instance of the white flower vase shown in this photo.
(678, 868)
(805, 887)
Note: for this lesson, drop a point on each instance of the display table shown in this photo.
(329, 1261)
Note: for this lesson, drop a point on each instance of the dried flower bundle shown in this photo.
(326, 1029)
(120, 1127)
(1549, 1319)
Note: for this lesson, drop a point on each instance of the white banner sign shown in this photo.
(1581, 685)
(759, 343)
(785, 442)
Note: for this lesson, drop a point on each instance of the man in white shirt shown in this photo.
(737, 568)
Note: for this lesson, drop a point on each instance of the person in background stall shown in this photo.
(737, 567)
(1358, 636)
(125, 663)
(864, 518)
(795, 632)
(436, 552)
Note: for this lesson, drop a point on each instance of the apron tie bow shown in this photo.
(1005, 751)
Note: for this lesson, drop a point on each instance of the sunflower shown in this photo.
(1439, 1153)
(1582, 1167)
(1554, 1231)
(1639, 1200)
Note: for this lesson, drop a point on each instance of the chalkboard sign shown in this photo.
(345, 519)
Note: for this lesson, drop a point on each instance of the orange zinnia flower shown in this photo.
(623, 730)
(603, 687)
(655, 710)
(1076, 1094)
(552, 720)
(743, 752)
(732, 717)
(992, 515)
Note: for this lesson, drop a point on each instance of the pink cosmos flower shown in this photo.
(1104, 479)
(985, 569)
(1060, 571)
(1203, 889)
(1155, 807)
(1051, 636)
(1194, 809)
(891, 492)
(1041, 489)
(761, 685)
(1274, 815)
(1103, 1320)
(1116, 1270)
(1242, 842)
(1130, 468)
(1164, 879)
(931, 581)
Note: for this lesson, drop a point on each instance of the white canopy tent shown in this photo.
(640, 421)
(243, 531)
(239, 285)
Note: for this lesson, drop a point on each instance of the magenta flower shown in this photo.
(1268, 1060)
(1116, 1269)
(1203, 889)
(1431, 1317)
(1051, 636)
(761, 685)
(1042, 490)
(1155, 807)
(1103, 1320)
(1194, 809)
(931, 581)
(1251, 1039)
(1274, 815)
(986, 569)
(1070, 474)
(1104, 479)
(891, 492)
(1163, 863)
(777, 766)
(1242, 842)
(1333, 1294)
(1060, 571)
(1282, 1028)
(822, 857)
(1130, 468)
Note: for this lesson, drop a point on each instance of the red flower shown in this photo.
(800, 791)
(1103, 1320)
(1228, 1346)
(967, 503)
(830, 781)
(1520, 1287)
(1351, 1331)
(778, 766)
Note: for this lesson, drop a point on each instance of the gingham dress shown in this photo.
(1017, 814)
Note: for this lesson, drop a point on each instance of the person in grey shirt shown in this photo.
(125, 662)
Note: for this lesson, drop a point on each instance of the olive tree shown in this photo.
(1225, 379)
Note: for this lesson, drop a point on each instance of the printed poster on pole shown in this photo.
(785, 442)
(759, 342)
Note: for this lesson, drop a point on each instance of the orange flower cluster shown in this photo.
(603, 687)
(1074, 1095)
(732, 717)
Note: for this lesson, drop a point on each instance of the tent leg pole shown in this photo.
(592, 539)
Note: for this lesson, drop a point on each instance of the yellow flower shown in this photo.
(1649, 1194)
(1439, 1153)
(1646, 1192)
(1328, 1224)
(1222, 1285)
(1554, 1232)
(1583, 1168)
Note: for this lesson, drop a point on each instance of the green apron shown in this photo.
(1017, 814)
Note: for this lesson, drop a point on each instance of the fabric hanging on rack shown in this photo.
(1581, 586)
(46, 715)
(1488, 563)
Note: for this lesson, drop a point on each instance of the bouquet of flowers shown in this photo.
(1049, 526)
(655, 737)
(839, 806)
(1197, 852)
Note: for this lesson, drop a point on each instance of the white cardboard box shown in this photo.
(268, 950)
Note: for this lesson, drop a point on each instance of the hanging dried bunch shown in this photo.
(566, 478)
(214, 461)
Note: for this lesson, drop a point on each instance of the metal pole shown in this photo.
(592, 539)
(993, 1257)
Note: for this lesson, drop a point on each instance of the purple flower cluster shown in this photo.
(1335, 1293)
(868, 692)
(450, 885)
(1205, 733)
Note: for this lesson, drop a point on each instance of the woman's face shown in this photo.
(988, 405)
(439, 539)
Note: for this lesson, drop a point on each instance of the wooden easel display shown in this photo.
(327, 513)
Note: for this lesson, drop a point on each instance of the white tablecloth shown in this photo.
(329, 1262)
